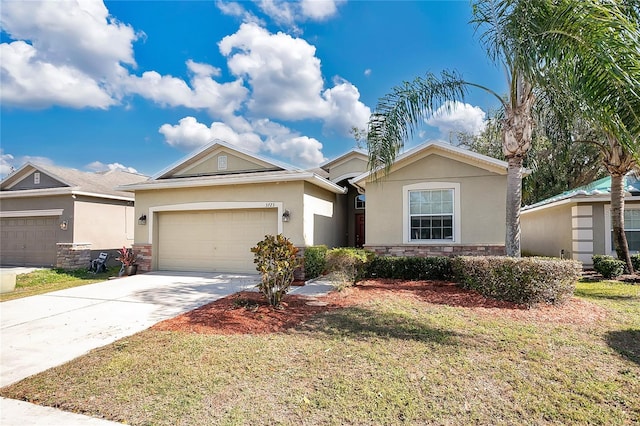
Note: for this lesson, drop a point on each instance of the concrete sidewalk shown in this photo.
(40, 332)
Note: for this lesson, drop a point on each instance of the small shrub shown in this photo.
(608, 266)
(527, 281)
(348, 264)
(275, 259)
(411, 268)
(635, 261)
(314, 261)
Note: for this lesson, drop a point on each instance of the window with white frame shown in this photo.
(360, 202)
(631, 228)
(431, 214)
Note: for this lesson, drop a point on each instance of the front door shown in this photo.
(359, 232)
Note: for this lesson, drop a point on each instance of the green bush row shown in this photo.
(314, 261)
(411, 268)
(525, 281)
(635, 261)
(608, 266)
(349, 264)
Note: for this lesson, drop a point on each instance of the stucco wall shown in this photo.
(234, 164)
(482, 199)
(324, 222)
(104, 225)
(546, 232)
(353, 165)
(290, 194)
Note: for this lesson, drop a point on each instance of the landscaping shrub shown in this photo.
(525, 281)
(275, 259)
(411, 268)
(314, 261)
(348, 264)
(608, 266)
(635, 261)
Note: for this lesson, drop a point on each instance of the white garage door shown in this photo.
(28, 241)
(213, 240)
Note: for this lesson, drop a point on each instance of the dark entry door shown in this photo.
(360, 230)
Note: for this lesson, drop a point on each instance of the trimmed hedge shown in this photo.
(526, 281)
(314, 261)
(411, 268)
(348, 263)
(608, 266)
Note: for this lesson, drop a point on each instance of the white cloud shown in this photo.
(233, 8)
(257, 136)
(220, 99)
(282, 71)
(98, 166)
(29, 82)
(190, 134)
(346, 111)
(458, 117)
(75, 50)
(319, 10)
(6, 164)
(367, 72)
(286, 80)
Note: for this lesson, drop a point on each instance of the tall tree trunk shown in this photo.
(618, 162)
(617, 220)
(514, 200)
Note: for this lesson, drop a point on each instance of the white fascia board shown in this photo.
(341, 158)
(27, 193)
(598, 199)
(31, 213)
(221, 180)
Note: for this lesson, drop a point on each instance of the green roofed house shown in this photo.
(577, 223)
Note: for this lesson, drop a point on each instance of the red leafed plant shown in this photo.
(126, 256)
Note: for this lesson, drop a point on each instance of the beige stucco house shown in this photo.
(437, 199)
(55, 216)
(577, 224)
(205, 212)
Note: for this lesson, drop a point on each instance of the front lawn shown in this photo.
(395, 358)
(47, 280)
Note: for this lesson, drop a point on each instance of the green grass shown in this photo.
(390, 361)
(47, 280)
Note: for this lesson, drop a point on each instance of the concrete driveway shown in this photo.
(40, 332)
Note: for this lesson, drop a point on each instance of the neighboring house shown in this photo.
(54, 216)
(577, 224)
(436, 199)
(205, 212)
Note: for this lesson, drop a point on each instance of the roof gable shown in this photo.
(441, 149)
(219, 158)
(32, 176)
(357, 154)
(54, 179)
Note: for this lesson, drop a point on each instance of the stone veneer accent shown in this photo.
(144, 253)
(299, 274)
(73, 255)
(419, 250)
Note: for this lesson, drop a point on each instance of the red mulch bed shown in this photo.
(248, 313)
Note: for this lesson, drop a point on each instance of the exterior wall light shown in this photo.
(64, 225)
(286, 216)
(142, 220)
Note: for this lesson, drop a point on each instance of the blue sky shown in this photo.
(139, 85)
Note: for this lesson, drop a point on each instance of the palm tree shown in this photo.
(533, 40)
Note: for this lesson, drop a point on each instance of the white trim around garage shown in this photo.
(31, 213)
(216, 205)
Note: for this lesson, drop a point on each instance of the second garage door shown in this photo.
(28, 241)
(212, 241)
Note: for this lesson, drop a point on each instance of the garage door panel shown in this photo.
(29, 241)
(215, 241)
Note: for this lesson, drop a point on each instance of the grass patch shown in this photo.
(391, 360)
(47, 280)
